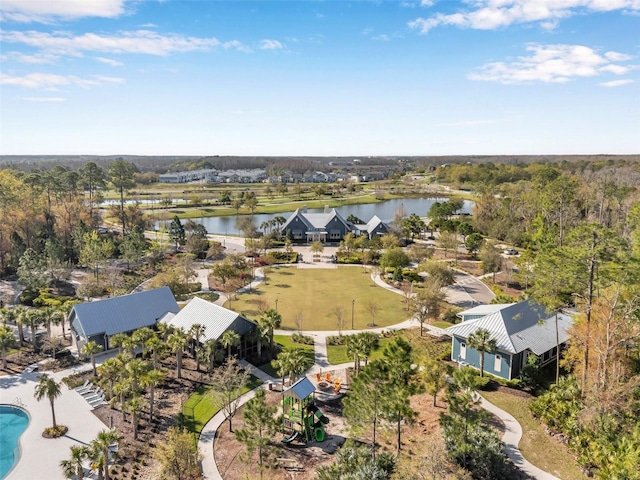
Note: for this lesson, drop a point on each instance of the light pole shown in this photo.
(276, 305)
(353, 306)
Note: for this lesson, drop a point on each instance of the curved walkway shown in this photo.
(511, 439)
(457, 294)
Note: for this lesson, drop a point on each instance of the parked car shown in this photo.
(511, 251)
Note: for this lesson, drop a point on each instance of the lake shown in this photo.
(384, 210)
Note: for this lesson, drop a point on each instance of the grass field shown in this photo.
(337, 354)
(536, 446)
(200, 408)
(317, 292)
(285, 342)
(423, 347)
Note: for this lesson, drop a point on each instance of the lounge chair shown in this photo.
(81, 387)
(84, 388)
(98, 401)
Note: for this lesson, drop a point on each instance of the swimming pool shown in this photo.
(13, 421)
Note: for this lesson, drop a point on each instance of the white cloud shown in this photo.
(617, 57)
(427, 3)
(49, 81)
(236, 45)
(268, 44)
(109, 61)
(140, 41)
(36, 59)
(44, 99)
(550, 64)
(148, 25)
(383, 37)
(493, 14)
(46, 10)
(616, 83)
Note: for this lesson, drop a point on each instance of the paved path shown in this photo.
(40, 457)
(511, 439)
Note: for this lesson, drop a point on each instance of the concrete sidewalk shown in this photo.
(511, 439)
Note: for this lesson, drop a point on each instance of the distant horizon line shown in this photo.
(475, 155)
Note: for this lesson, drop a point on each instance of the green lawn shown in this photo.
(425, 346)
(200, 408)
(285, 342)
(536, 446)
(337, 354)
(317, 292)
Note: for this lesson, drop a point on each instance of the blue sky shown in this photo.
(331, 77)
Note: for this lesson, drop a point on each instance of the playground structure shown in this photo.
(302, 419)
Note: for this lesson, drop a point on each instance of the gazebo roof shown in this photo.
(301, 389)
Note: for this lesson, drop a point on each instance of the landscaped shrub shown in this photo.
(337, 340)
(302, 339)
(411, 276)
(351, 259)
(282, 257)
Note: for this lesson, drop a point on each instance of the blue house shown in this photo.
(520, 329)
(327, 227)
(98, 321)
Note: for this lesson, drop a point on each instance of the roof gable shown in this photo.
(125, 313)
(296, 217)
(517, 327)
(214, 318)
(302, 388)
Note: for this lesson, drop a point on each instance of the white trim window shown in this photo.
(497, 362)
(463, 351)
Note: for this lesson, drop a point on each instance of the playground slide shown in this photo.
(291, 438)
(323, 419)
(318, 431)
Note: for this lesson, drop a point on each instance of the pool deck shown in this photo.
(41, 457)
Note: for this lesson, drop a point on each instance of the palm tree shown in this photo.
(6, 342)
(33, 318)
(270, 321)
(100, 451)
(213, 353)
(481, 341)
(49, 388)
(177, 342)
(155, 344)
(354, 348)
(51, 314)
(152, 379)
(136, 369)
(135, 406)
(282, 364)
(257, 336)
(164, 330)
(141, 336)
(369, 342)
(118, 340)
(228, 340)
(73, 466)
(195, 332)
(110, 370)
(91, 348)
(122, 388)
(19, 313)
(298, 363)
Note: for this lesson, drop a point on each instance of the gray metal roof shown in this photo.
(483, 309)
(518, 327)
(125, 313)
(301, 389)
(300, 216)
(373, 223)
(214, 318)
